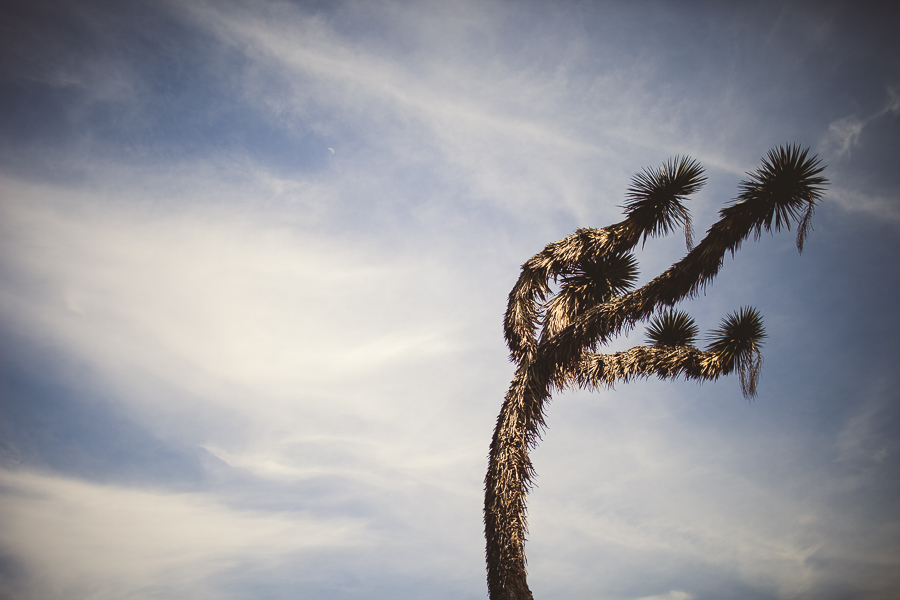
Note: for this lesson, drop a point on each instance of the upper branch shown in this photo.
(773, 197)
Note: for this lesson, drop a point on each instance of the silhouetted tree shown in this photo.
(554, 337)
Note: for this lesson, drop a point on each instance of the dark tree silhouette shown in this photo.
(554, 337)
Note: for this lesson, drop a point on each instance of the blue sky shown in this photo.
(254, 258)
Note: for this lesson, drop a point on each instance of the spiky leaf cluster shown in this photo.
(672, 328)
(737, 340)
(602, 277)
(591, 281)
(785, 188)
(655, 200)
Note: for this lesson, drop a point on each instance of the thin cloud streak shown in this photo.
(844, 133)
(459, 113)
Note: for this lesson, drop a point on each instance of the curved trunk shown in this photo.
(507, 483)
(521, 418)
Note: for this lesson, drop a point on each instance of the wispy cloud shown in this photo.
(672, 595)
(526, 139)
(224, 306)
(882, 207)
(292, 358)
(487, 126)
(108, 541)
(844, 133)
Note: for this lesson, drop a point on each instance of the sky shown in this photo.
(254, 258)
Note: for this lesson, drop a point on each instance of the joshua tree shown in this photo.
(554, 337)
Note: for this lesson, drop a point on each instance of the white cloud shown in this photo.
(290, 356)
(107, 541)
(298, 338)
(885, 208)
(529, 140)
(672, 595)
(239, 301)
(844, 133)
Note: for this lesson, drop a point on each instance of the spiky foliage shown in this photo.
(672, 328)
(595, 272)
(787, 185)
(591, 281)
(684, 279)
(737, 340)
(655, 200)
(654, 206)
